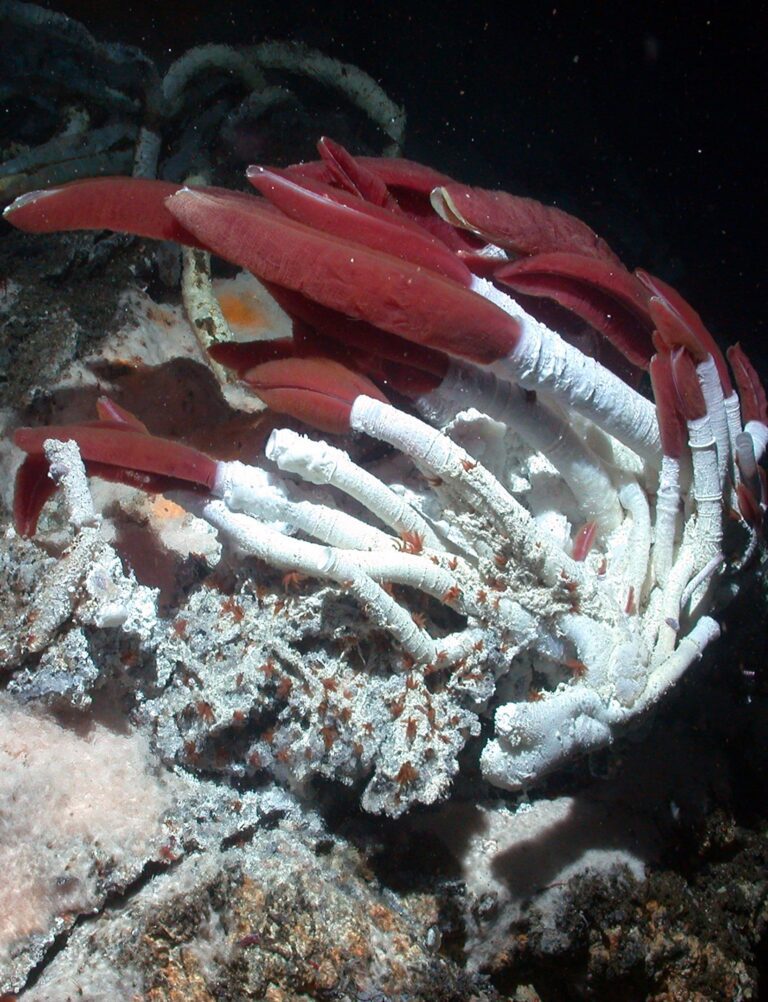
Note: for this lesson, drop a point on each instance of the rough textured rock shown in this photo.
(81, 813)
(272, 913)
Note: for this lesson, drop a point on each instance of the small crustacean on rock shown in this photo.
(540, 538)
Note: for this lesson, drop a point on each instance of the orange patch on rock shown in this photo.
(242, 312)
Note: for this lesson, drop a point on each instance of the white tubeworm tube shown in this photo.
(671, 604)
(542, 361)
(476, 487)
(749, 476)
(68, 470)
(320, 463)
(325, 562)
(634, 500)
(249, 489)
(690, 648)
(408, 569)
(745, 457)
(703, 576)
(667, 511)
(706, 490)
(712, 391)
(538, 426)
(732, 406)
(534, 738)
(759, 433)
